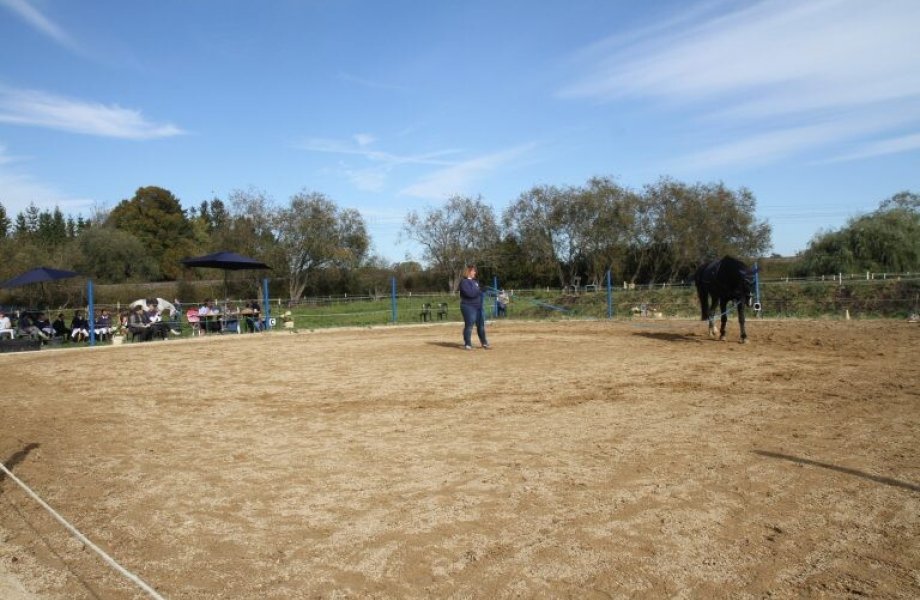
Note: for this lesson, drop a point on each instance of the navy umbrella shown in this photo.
(225, 260)
(228, 261)
(38, 275)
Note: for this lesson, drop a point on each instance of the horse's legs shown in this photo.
(741, 322)
(711, 305)
(723, 306)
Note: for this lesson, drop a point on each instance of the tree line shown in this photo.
(549, 236)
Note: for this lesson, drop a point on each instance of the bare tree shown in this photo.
(463, 230)
(314, 234)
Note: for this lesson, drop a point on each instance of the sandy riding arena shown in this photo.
(573, 460)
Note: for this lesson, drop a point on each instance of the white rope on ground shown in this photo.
(137, 580)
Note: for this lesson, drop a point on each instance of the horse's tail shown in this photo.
(702, 293)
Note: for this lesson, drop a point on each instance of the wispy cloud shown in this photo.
(364, 139)
(777, 64)
(896, 145)
(31, 15)
(372, 178)
(458, 178)
(40, 109)
(361, 148)
(818, 137)
(20, 189)
(451, 175)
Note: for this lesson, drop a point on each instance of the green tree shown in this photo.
(5, 222)
(313, 234)
(156, 218)
(607, 237)
(691, 224)
(573, 229)
(21, 226)
(115, 256)
(248, 227)
(52, 228)
(463, 230)
(885, 240)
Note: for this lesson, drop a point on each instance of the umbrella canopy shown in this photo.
(225, 260)
(228, 261)
(38, 275)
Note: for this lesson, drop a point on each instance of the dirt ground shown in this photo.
(573, 460)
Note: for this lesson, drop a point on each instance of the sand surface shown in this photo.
(573, 460)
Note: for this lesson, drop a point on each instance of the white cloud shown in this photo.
(339, 147)
(368, 180)
(897, 145)
(364, 139)
(772, 62)
(457, 178)
(19, 189)
(40, 109)
(819, 136)
(40, 22)
(451, 176)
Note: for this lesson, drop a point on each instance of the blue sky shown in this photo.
(388, 107)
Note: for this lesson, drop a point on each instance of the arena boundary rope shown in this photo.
(73, 530)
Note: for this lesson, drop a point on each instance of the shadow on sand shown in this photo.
(450, 345)
(664, 336)
(876, 478)
(20, 455)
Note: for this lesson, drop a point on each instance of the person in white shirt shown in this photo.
(6, 328)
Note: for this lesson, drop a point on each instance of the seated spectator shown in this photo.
(503, 304)
(253, 320)
(153, 310)
(79, 327)
(27, 328)
(139, 324)
(174, 321)
(42, 322)
(6, 327)
(102, 326)
(60, 329)
(231, 321)
(209, 316)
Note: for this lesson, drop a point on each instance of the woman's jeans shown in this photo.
(473, 315)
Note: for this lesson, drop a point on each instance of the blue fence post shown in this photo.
(757, 305)
(393, 298)
(495, 294)
(609, 297)
(92, 312)
(266, 305)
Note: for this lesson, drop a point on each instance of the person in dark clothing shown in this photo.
(60, 329)
(79, 327)
(44, 324)
(27, 327)
(471, 308)
(253, 317)
(139, 324)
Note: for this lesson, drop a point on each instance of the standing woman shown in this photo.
(471, 307)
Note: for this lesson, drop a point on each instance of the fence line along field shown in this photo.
(574, 459)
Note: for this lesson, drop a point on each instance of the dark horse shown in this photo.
(726, 280)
